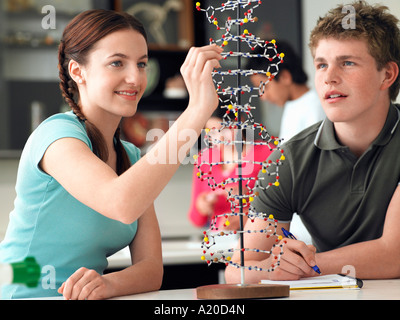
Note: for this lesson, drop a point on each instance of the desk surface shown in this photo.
(372, 290)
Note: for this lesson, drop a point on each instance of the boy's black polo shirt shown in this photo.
(340, 198)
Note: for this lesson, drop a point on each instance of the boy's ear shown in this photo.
(391, 74)
(75, 71)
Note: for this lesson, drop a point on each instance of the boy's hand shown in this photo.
(296, 262)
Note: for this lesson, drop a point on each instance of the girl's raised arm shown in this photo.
(126, 197)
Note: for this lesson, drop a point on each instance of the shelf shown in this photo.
(10, 154)
(28, 46)
(34, 14)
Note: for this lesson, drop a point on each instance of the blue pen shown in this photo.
(291, 236)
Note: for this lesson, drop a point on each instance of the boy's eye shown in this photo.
(348, 63)
(321, 65)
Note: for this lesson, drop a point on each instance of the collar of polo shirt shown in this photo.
(326, 138)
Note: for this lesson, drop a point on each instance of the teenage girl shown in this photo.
(82, 193)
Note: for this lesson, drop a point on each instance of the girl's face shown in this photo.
(115, 74)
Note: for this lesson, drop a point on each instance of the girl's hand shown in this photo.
(85, 284)
(196, 71)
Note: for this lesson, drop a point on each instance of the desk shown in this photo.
(342, 303)
(372, 290)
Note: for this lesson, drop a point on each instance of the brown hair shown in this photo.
(374, 24)
(79, 37)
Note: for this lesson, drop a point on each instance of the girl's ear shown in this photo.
(75, 72)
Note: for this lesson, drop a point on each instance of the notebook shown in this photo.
(332, 281)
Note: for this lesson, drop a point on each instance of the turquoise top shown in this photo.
(49, 224)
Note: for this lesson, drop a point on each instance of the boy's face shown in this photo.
(347, 80)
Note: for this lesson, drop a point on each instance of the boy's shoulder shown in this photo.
(300, 146)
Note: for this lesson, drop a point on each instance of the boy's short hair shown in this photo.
(373, 23)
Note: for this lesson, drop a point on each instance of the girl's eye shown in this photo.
(116, 64)
(142, 65)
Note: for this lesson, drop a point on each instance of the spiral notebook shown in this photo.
(332, 281)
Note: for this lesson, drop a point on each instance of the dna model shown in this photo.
(236, 102)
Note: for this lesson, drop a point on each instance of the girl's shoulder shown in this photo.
(60, 124)
(57, 126)
(63, 120)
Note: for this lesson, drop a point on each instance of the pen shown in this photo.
(290, 235)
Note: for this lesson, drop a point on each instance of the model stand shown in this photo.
(240, 44)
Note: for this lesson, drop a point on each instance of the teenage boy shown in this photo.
(342, 175)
